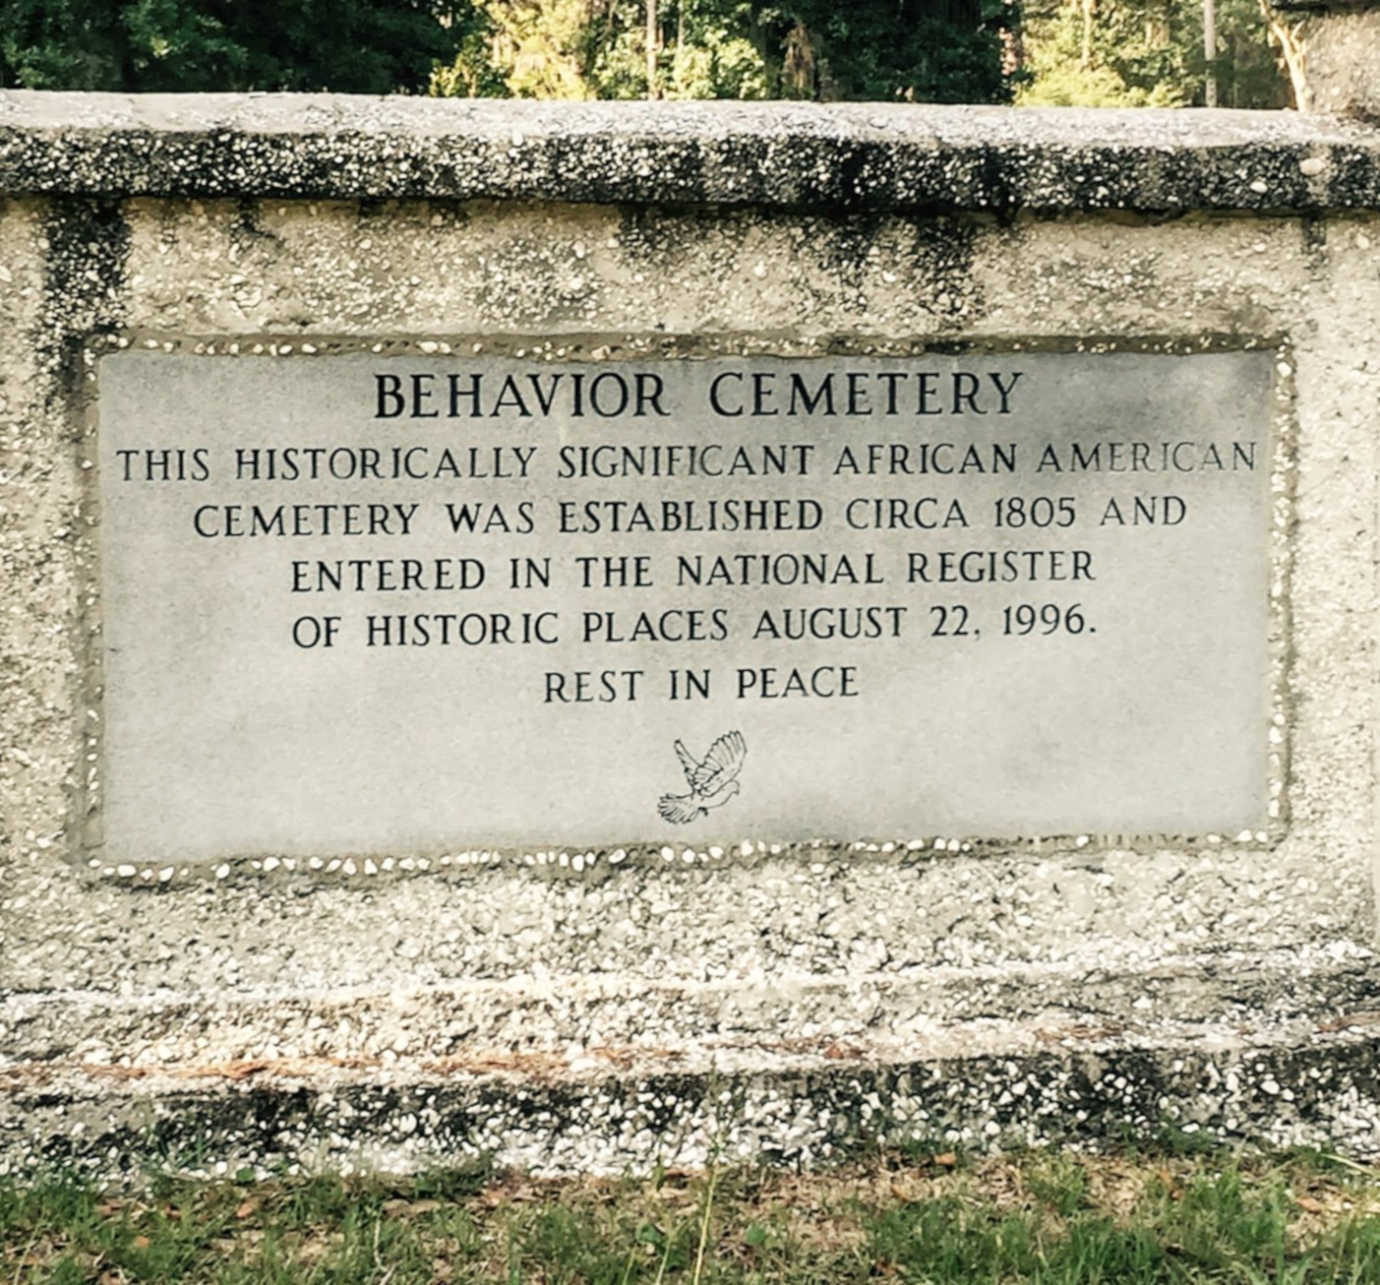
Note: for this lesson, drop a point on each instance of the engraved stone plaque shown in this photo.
(361, 603)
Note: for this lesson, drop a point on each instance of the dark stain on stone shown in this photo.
(850, 170)
(85, 274)
(1086, 1095)
(934, 257)
(1314, 230)
(245, 224)
(997, 183)
(782, 165)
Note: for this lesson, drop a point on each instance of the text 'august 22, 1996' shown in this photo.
(366, 602)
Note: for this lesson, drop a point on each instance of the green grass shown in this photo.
(925, 1219)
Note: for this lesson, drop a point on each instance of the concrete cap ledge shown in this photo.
(857, 157)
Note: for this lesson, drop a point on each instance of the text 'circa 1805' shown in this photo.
(372, 603)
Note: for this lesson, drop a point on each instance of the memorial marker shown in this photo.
(357, 603)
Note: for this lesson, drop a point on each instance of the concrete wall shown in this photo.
(565, 1010)
(1341, 55)
(1331, 51)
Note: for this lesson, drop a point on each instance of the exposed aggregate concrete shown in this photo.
(1338, 43)
(266, 1011)
(874, 156)
(771, 1110)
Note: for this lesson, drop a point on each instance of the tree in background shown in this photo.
(1147, 53)
(944, 51)
(351, 46)
(915, 50)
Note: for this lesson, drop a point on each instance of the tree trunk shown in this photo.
(1292, 52)
(1086, 61)
(1210, 52)
(1012, 40)
(651, 48)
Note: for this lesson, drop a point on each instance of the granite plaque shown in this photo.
(362, 603)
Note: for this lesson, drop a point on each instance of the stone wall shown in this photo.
(1330, 49)
(563, 1009)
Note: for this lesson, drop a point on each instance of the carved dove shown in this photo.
(712, 780)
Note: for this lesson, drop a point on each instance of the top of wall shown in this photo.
(856, 157)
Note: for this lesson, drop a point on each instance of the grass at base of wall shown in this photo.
(919, 1217)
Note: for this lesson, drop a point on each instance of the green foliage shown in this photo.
(350, 46)
(56, 44)
(1059, 1181)
(1070, 52)
(915, 50)
(920, 50)
(1069, 85)
(1146, 53)
(721, 65)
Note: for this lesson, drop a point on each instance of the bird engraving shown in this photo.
(713, 780)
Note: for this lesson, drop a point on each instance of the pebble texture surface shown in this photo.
(873, 156)
(565, 1010)
(1342, 52)
(1338, 43)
